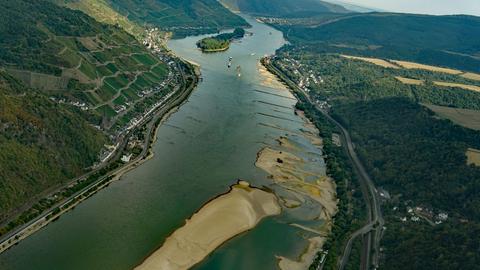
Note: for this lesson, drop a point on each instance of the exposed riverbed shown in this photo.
(201, 150)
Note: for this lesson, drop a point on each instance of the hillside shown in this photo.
(76, 60)
(69, 86)
(182, 17)
(424, 162)
(102, 11)
(438, 40)
(283, 7)
(43, 143)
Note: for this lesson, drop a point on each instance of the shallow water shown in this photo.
(201, 150)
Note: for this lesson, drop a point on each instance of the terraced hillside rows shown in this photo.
(182, 17)
(73, 59)
(70, 88)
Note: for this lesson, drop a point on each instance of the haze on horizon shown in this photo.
(435, 7)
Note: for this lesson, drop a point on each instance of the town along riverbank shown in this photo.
(212, 139)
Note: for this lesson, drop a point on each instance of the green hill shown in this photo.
(438, 40)
(74, 59)
(61, 74)
(183, 17)
(43, 143)
(102, 11)
(283, 7)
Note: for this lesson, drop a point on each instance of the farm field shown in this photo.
(376, 61)
(459, 85)
(463, 117)
(473, 157)
(409, 81)
(413, 65)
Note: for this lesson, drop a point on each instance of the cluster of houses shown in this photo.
(417, 213)
(304, 78)
(82, 105)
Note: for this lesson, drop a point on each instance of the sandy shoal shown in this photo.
(270, 80)
(286, 169)
(219, 220)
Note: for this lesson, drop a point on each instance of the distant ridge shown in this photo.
(354, 7)
(283, 7)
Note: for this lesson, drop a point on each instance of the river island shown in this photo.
(221, 42)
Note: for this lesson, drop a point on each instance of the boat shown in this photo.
(239, 71)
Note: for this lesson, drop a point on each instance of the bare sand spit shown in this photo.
(269, 80)
(286, 170)
(375, 61)
(306, 259)
(219, 220)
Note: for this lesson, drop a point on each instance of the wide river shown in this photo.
(202, 149)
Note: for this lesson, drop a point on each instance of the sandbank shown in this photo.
(228, 215)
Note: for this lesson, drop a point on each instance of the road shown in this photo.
(375, 216)
(376, 221)
(30, 227)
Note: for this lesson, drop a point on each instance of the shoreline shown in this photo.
(153, 124)
(220, 219)
(215, 50)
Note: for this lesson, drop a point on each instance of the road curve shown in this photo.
(376, 221)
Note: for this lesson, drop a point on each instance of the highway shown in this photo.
(371, 247)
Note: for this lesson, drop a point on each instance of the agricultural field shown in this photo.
(473, 157)
(462, 117)
(458, 85)
(376, 61)
(409, 81)
(79, 61)
(412, 65)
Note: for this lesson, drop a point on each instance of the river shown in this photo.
(202, 149)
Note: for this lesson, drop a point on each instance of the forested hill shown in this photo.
(182, 17)
(42, 143)
(67, 84)
(439, 40)
(283, 7)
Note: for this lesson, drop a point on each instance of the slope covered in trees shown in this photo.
(74, 59)
(283, 7)
(431, 211)
(183, 17)
(69, 85)
(438, 40)
(43, 143)
(421, 161)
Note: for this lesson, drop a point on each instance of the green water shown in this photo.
(201, 150)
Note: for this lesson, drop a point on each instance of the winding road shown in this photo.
(373, 230)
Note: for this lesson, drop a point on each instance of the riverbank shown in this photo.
(221, 42)
(152, 124)
(219, 220)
